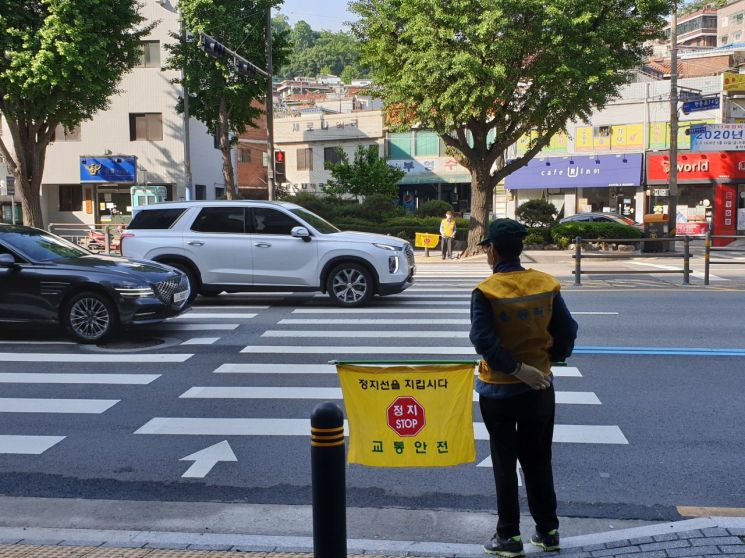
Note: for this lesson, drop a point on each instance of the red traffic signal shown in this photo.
(279, 156)
(279, 167)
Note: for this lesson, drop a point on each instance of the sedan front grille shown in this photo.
(166, 289)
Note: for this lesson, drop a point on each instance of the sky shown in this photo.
(320, 14)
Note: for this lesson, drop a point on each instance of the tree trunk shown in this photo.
(30, 143)
(227, 161)
(29, 188)
(481, 190)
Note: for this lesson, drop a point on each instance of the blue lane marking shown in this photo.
(674, 351)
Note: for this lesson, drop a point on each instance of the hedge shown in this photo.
(569, 231)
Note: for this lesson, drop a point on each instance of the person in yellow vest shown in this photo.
(519, 325)
(447, 232)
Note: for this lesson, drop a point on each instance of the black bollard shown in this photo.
(329, 481)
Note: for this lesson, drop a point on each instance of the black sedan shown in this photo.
(44, 278)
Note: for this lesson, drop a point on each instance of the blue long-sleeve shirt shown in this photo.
(483, 335)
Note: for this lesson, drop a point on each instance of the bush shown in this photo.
(322, 205)
(537, 213)
(569, 231)
(378, 207)
(534, 238)
(434, 208)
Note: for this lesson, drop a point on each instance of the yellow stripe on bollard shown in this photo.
(327, 437)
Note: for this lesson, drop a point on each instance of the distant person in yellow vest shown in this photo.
(447, 233)
(519, 325)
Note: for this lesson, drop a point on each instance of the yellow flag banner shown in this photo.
(409, 415)
(426, 240)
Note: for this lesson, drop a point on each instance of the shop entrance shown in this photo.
(741, 209)
(114, 203)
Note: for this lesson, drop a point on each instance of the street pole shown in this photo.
(269, 108)
(187, 136)
(672, 206)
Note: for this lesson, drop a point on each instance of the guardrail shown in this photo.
(97, 238)
(708, 249)
(578, 256)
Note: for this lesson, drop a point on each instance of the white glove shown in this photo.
(532, 376)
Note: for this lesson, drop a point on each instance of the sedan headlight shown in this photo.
(135, 292)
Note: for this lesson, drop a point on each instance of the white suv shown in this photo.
(238, 246)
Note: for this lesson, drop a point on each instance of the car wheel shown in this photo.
(350, 285)
(90, 317)
(190, 277)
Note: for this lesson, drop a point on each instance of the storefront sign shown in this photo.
(718, 137)
(603, 171)
(108, 169)
(435, 169)
(701, 104)
(691, 229)
(697, 168)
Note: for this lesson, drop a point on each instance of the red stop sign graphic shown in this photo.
(406, 416)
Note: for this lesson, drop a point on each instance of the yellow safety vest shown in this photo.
(522, 303)
(448, 227)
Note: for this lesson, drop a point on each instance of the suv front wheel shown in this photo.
(350, 285)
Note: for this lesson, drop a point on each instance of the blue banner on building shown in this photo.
(581, 171)
(119, 169)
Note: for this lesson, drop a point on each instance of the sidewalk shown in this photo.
(714, 536)
(77, 528)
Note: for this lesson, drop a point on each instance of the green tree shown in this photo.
(224, 100)
(61, 62)
(537, 213)
(696, 5)
(483, 73)
(366, 175)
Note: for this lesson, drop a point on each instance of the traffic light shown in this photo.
(244, 67)
(279, 167)
(212, 46)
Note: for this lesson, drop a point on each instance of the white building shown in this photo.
(141, 127)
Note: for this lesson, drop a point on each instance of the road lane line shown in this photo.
(215, 316)
(282, 368)
(362, 333)
(234, 392)
(228, 307)
(372, 321)
(198, 327)
(386, 310)
(117, 358)
(73, 406)
(201, 341)
(45, 378)
(27, 445)
(355, 350)
(178, 426)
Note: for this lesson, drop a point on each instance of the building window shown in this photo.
(399, 146)
(149, 54)
(737, 36)
(200, 192)
(146, 126)
(60, 134)
(724, 39)
(305, 158)
(331, 155)
(244, 155)
(426, 144)
(71, 197)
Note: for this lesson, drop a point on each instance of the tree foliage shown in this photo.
(537, 213)
(225, 101)
(319, 52)
(483, 73)
(697, 5)
(366, 175)
(61, 62)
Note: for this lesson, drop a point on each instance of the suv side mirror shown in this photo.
(301, 232)
(7, 260)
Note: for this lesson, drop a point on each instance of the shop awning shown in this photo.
(581, 171)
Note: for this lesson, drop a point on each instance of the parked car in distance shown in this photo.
(45, 278)
(246, 245)
(597, 217)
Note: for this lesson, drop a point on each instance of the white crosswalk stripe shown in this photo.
(14, 444)
(31, 405)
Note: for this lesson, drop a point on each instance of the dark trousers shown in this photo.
(447, 247)
(522, 427)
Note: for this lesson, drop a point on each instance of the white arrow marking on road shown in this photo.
(207, 458)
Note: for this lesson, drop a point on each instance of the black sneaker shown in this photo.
(509, 548)
(549, 542)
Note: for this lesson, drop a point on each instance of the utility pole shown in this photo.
(269, 107)
(187, 137)
(672, 204)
